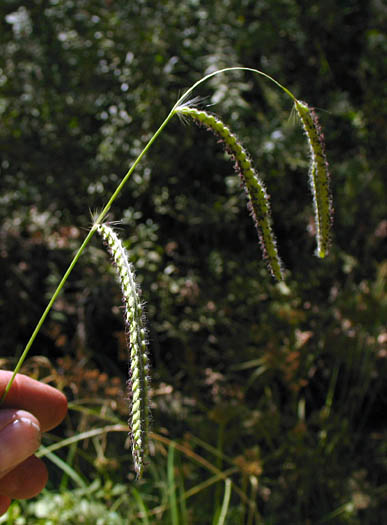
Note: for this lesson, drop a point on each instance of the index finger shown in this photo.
(46, 403)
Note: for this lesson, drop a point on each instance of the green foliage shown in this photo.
(283, 380)
(78, 506)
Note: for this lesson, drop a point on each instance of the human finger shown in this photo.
(48, 404)
(19, 438)
(25, 481)
(5, 502)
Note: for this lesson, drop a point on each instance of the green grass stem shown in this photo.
(172, 485)
(226, 502)
(141, 505)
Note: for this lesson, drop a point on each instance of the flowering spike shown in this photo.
(258, 199)
(318, 176)
(136, 335)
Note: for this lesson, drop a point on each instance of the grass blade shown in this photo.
(71, 473)
(226, 502)
(141, 505)
(172, 485)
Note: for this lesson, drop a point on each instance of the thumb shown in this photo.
(19, 438)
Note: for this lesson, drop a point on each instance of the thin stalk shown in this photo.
(45, 313)
(172, 485)
(141, 505)
(116, 193)
(88, 238)
(253, 499)
(226, 502)
(219, 462)
(227, 69)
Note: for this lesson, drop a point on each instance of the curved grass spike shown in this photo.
(258, 198)
(136, 335)
(318, 176)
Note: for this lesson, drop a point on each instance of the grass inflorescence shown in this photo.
(258, 199)
(136, 334)
(318, 176)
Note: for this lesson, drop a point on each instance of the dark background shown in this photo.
(288, 376)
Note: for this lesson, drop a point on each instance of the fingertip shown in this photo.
(26, 481)
(58, 409)
(19, 437)
(5, 502)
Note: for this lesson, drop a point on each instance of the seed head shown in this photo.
(318, 177)
(258, 198)
(136, 335)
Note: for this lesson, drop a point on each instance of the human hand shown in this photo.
(29, 409)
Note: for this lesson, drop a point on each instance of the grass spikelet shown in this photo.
(258, 199)
(318, 177)
(136, 333)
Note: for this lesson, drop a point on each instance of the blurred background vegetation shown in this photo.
(278, 387)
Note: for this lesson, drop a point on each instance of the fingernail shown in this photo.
(19, 439)
(27, 421)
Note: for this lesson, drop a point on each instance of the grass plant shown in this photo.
(259, 208)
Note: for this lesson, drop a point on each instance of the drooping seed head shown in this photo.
(258, 199)
(318, 177)
(136, 334)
